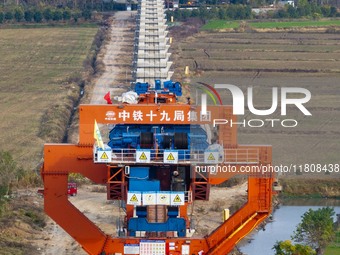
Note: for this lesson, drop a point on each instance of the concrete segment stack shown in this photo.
(151, 56)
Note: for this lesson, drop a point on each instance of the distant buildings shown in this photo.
(284, 2)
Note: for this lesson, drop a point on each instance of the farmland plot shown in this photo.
(274, 59)
(38, 68)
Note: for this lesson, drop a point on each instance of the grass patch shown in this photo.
(19, 224)
(34, 218)
(334, 248)
(296, 23)
(37, 70)
(222, 24)
(312, 188)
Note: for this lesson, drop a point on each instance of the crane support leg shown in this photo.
(60, 160)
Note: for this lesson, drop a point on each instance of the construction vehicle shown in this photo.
(72, 189)
(152, 162)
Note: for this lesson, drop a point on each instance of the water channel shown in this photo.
(285, 220)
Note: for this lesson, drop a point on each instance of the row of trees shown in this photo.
(252, 3)
(236, 12)
(306, 9)
(71, 4)
(65, 10)
(19, 14)
(239, 12)
(93, 5)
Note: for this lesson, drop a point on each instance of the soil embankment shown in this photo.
(310, 187)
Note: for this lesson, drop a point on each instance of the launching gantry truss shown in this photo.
(62, 159)
(155, 149)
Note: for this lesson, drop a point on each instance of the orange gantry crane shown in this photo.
(156, 161)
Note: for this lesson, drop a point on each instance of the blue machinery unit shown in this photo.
(184, 137)
(148, 184)
(140, 182)
(168, 88)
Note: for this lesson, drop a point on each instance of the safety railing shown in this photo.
(229, 156)
(241, 155)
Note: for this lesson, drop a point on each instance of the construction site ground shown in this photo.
(91, 200)
(199, 51)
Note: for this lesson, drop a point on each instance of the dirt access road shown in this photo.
(55, 241)
(116, 57)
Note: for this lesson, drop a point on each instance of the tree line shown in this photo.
(41, 14)
(94, 5)
(234, 12)
(240, 12)
(62, 10)
(306, 9)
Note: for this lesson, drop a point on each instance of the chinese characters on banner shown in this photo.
(156, 116)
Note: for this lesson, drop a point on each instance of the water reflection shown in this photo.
(285, 220)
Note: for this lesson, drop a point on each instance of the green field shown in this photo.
(334, 248)
(222, 24)
(39, 68)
